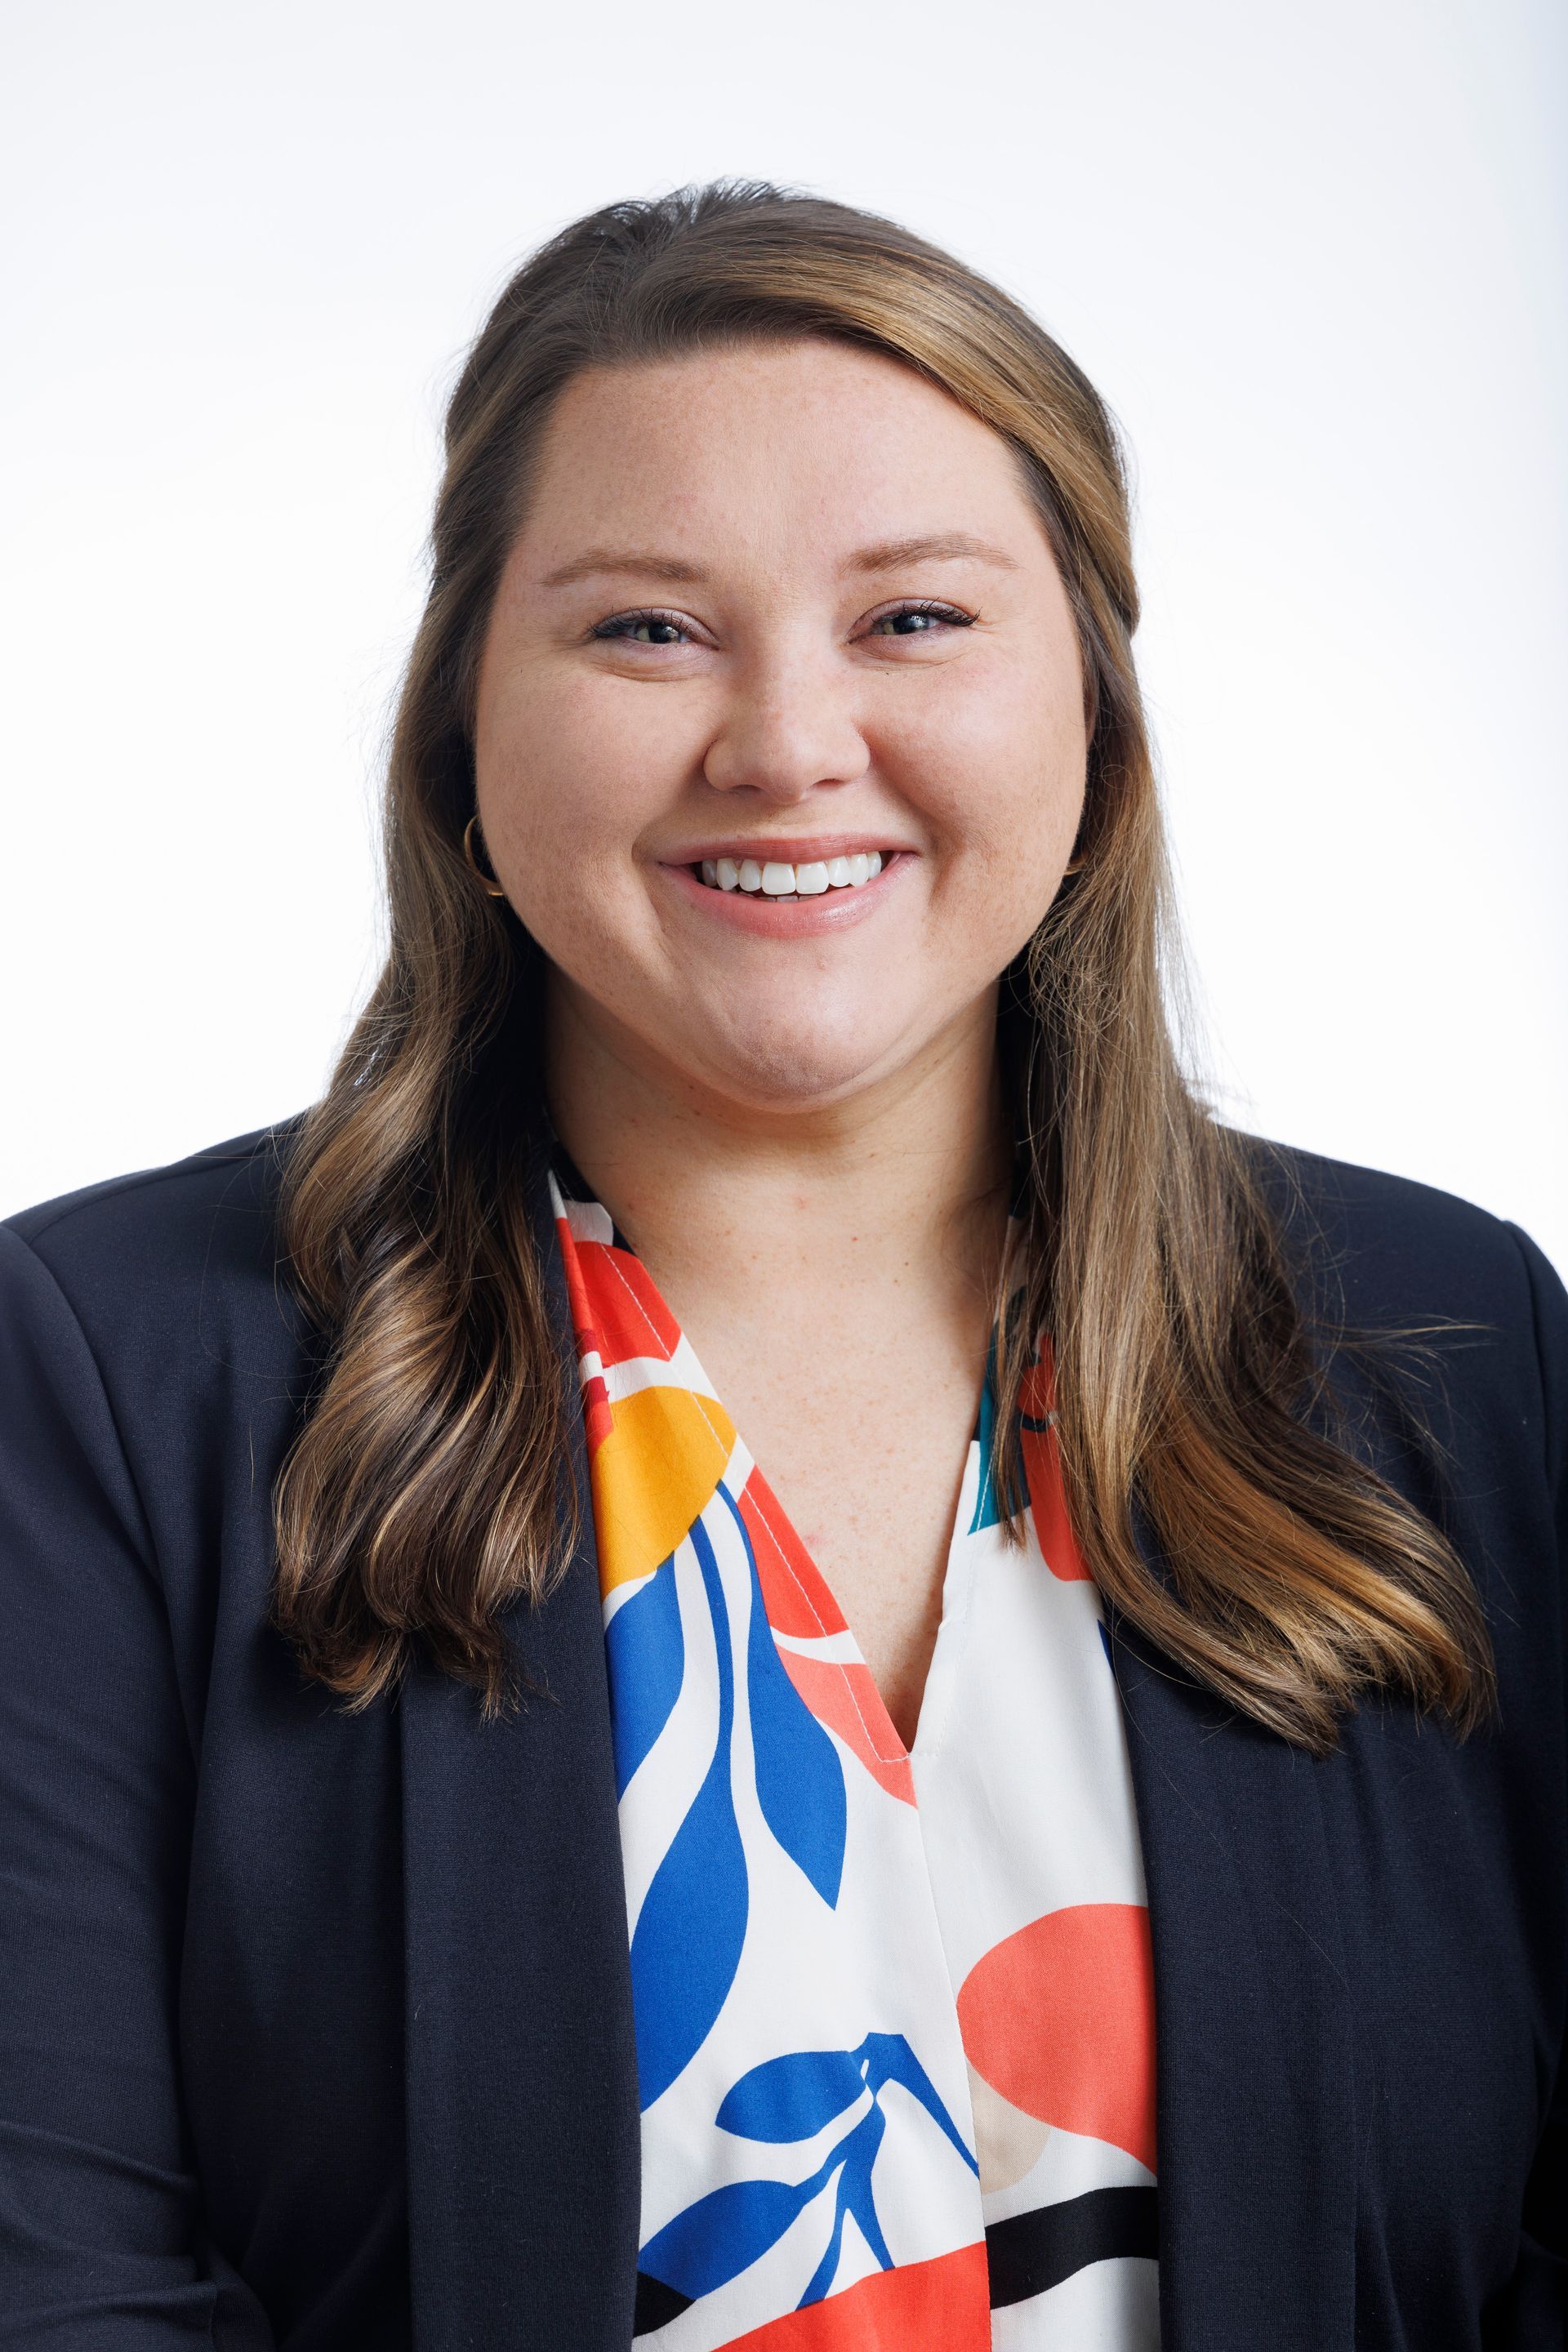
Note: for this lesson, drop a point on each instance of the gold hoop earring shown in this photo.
(488, 881)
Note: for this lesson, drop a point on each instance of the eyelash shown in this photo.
(619, 626)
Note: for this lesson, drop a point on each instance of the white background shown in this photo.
(1313, 256)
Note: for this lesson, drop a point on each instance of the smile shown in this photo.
(778, 879)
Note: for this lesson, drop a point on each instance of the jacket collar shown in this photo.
(1255, 2104)
(521, 2067)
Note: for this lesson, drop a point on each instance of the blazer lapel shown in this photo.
(523, 2137)
(1256, 2126)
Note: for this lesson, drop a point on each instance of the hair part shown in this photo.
(427, 1488)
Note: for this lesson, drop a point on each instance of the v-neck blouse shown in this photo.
(893, 2009)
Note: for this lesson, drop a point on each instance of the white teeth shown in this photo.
(775, 879)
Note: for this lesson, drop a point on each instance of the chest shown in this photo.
(863, 1436)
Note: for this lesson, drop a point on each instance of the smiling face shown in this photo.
(777, 612)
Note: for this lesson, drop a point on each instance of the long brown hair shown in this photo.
(424, 1490)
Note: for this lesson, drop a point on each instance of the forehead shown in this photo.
(736, 443)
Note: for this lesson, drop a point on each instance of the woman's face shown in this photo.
(776, 613)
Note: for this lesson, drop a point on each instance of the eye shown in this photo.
(922, 619)
(643, 629)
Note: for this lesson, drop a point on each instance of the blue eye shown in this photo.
(922, 620)
(643, 628)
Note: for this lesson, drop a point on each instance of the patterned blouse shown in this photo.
(893, 2008)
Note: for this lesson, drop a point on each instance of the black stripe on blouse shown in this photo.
(1031, 2252)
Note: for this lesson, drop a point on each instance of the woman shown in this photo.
(1080, 1860)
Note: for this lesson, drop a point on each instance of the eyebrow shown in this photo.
(936, 547)
(887, 555)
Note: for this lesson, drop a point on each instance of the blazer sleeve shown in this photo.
(1531, 2313)
(101, 2230)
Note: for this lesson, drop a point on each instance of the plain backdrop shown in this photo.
(1315, 258)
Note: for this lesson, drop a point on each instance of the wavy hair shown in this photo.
(425, 1491)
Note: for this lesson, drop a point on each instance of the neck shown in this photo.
(909, 1173)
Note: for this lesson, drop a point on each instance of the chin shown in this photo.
(799, 1071)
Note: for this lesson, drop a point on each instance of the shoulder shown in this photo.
(153, 1367)
(1381, 1252)
(165, 1264)
(1396, 1249)
(1469, 1302)
(158, 1206)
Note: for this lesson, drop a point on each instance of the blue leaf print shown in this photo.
(856, 2154)
(794, 2097)
(786, 2101)
(724, 2234)
(725, 2231)
(890, 2059)
(800, 1780)
(646, 1654)
(687, 1944)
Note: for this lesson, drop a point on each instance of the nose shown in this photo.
(788, 727)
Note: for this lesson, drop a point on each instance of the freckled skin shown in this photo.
(801, 1135)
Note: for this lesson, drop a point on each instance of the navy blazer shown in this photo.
(316, 2027)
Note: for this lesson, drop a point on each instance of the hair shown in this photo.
(424, 1490)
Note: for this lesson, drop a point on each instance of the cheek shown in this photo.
(569, 774)
(998, 770)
